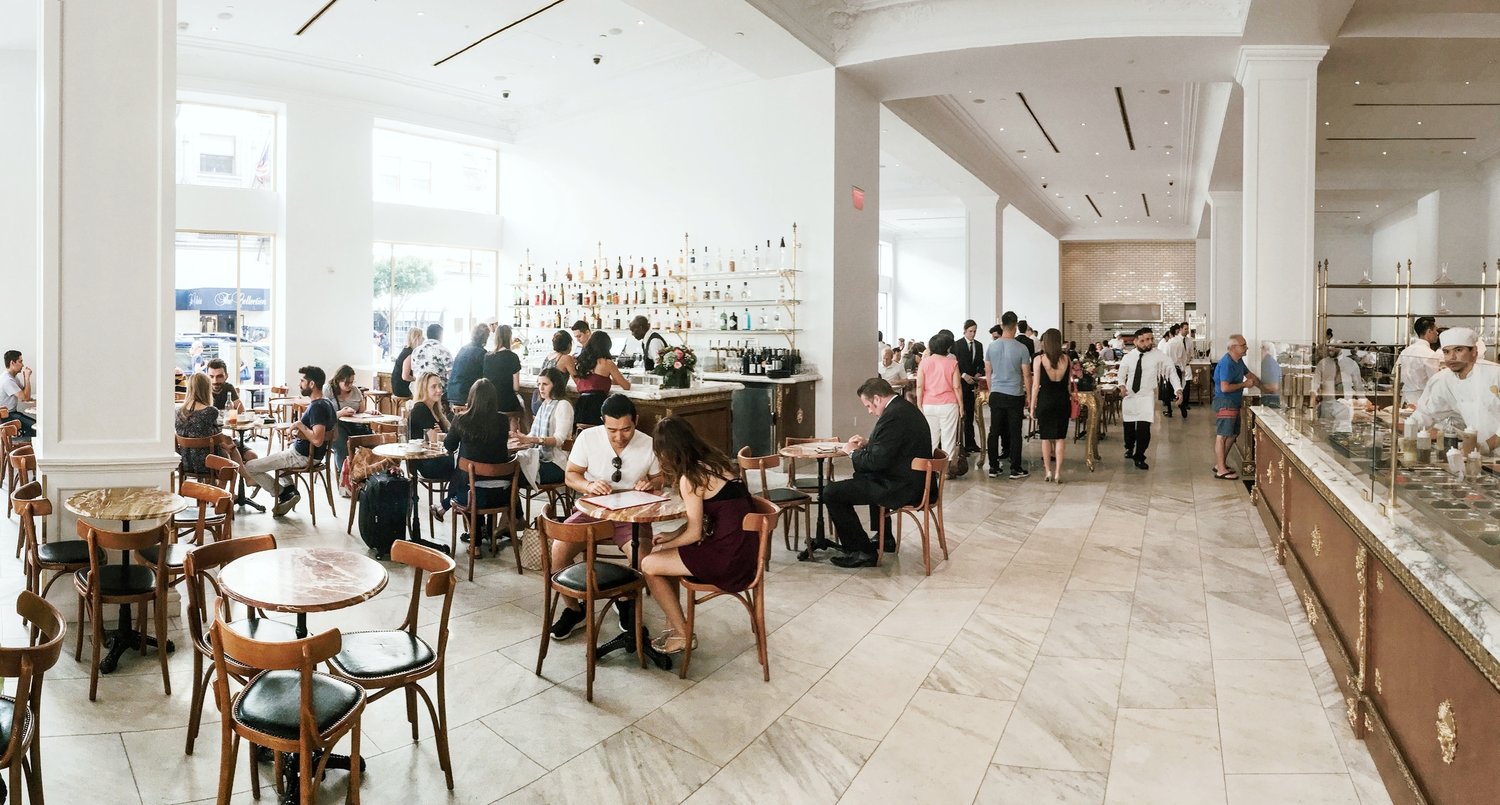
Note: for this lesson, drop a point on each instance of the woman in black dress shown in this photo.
(400, 386)
(714, 546)
(1052, 400)
(503, 369)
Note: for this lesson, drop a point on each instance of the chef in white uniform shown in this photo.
(1419, 361)
(1142, 370)
(1466, 388)
(1337, 375)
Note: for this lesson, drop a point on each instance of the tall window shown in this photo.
(223, 146)
(418, 285)
(432, 172)
(224, 294)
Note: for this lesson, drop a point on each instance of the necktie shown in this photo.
(1135, 384)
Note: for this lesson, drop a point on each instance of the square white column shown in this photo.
(986, 235)
(1225, 290)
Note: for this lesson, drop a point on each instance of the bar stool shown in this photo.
(931, 508)
(761, 520)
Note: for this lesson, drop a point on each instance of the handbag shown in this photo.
(958, 467)
(1075, 408)
(531, 548)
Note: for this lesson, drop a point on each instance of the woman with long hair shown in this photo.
(1052, 400)
(428, 416)
(503, 369)
(562, 358)
(347, 399)
(713, 546)
(481, 434)
(401, 376)
(197, 419)
(594, 373)
(543, 460)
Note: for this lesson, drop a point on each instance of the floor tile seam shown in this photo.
(747, 746)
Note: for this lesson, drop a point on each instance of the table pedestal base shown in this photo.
(626, 641)
(241, 499)
(123, 639)
(291, 774)
(816, 544)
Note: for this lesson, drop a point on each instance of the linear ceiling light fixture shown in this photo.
(1034, 119)
(1475, 103)
(315, 17)
(495, 33)
(1125, 117)
(1092, 204)
(1396, 139)
(1146, 204)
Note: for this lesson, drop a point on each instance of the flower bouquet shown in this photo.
(675, 365)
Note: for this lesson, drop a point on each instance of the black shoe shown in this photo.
(1141, 464)
(1130, 454)
(854, 559)
(994, 472)
(1168, 412)
(1018, 474)
(567, 622)
(890, 544)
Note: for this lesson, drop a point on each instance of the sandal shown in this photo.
(660, 642)
(1231, 475)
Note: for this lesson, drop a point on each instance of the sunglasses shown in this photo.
(617, 463)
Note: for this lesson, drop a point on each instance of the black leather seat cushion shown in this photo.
(783, 495)
(188, 517)
(806, 482)
(606, 575)
(371, 655)
(7, 715)
(122, 579)
(176, 554)
(272, 703)
(63, 552)
(262, 629)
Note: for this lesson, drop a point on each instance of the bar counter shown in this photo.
(706, 406)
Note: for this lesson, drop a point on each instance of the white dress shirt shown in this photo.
(1419, 362)
(1155, 368)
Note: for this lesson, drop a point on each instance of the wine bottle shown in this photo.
(782, 264)
(619, 268)
(655, 294)
(655, 269)
(570, 272)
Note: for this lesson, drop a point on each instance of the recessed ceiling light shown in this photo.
(640, 22)
(225, 15)
(1377, 206)
(1325, 122)
(1096, 153)
(1023, 156)
(1002, 128)
(1466, 153)
(1083, 124)
(421, 13)
(1382, 153)
(971, 92)
(1466, 83)
(1356, 83)
(1164, 123)
(1356, 217)
(359, 55)
(1419, 122)
(214, 28)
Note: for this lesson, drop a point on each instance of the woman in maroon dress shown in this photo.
(713, 547)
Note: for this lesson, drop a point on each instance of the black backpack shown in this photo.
(384, 508)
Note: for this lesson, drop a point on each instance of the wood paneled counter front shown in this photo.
(1406, 613)
(705, 406)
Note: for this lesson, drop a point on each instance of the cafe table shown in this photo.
(243, 424)
(408, 452)
(126, 504)
(819, 452)
(672, 508)
(368, 418)
(299, 581)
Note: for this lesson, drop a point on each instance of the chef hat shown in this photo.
(1458, 337)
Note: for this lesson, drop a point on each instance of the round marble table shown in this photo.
(371, 419)
(408, 452)
(819, 452)
(303, 580)
(243, 424)
(670, 509)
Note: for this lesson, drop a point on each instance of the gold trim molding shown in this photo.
(1447, 731)
(1317, 541)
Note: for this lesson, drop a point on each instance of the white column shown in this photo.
(986, 235)
(105, 355)
(1281, 104)
(1225, 281)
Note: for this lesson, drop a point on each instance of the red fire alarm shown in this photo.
(859, 197)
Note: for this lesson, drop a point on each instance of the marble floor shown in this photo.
(1123, 638)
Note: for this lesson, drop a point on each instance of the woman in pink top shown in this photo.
(937, 392)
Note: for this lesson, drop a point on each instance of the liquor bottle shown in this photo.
(747, 318)
(745, 291)
(570, 272)
(782, 264)
(655, 269)
(655, 294)
(777, 325)
(596, 269)
(723, 321)
(619, 268)
(734, 321)
(693, 293)
(544, 273)
(528, 275)
(755, 266)
(692, 260)
(643, 267)
(719, 259)
(731, 262)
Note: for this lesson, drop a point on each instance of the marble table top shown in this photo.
(243, 422)
(815, 450)
(406, 451)
(670, 509)
(125, 503)
(303, 579)
(368, 418)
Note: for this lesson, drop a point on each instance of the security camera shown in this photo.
(598, 58)
(505, 93)
(1169, 184)
(1044, 185)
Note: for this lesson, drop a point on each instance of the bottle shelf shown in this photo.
(1429, 286)
(736, 303)
(763, 274)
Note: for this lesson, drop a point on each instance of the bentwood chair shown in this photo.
(206, 601)
(288, 707)
(173, 554)
(587, 582)
(102, 585)
(785, 498)
(934, 475)
(762, 521)
(473, 514)
(20, 471)
(387, 661)
(8, 433)
(182, 473)
(318, 467)
(21, 714)
(356, 444)
(59, 558)
(559, 495)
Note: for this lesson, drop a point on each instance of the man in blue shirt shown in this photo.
(1007, 364)
(1231, 378)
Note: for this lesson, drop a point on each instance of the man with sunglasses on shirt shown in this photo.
(613, 457)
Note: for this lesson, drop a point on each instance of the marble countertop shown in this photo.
(804, 377)
(646, 391)
(1466, 585)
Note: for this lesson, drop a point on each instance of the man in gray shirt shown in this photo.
(1007, 364)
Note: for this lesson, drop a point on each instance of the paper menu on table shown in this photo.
(625, 500)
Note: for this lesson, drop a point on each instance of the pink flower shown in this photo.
(677, 365)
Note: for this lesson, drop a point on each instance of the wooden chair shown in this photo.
(102, 584)
(761, 520)
(206, 601)
(189, 443)
(59, 558)
(20, 715)
(931, 509)
(284, 411)
(8, 433)
(586, 582)
(357, 443)
(310, 473)
(288, 707)
(20, 471)
(785, 498)
(559, 495)
(806, 484)
(388, 661)
(176, 550)
(226, 471)
(473, 514)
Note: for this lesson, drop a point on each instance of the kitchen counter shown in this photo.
(736, 377)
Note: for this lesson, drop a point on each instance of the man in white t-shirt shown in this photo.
(15, 389)
(613, 457)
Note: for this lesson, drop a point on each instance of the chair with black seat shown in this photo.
(586, 582)
(206, 600)
(935, 474)
(59, 558)
(387, 661)
(122, 583)
(287, 707)
(559, 495)
(199, 523)
(356, 444)
(474, 515)
(785, 498)
(20, 727)
(762, 520)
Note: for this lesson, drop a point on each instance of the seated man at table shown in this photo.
(314, 435)
(226, 397)
(15, 389)
(882, 471)
(607, 458)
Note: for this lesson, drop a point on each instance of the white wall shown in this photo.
(1347, 250)
(18, 200)
(1031, 283)
(1403, 235)
(930, 273)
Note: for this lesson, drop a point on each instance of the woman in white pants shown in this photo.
(938, 392)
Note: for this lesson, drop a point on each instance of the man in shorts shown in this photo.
(1231, 378)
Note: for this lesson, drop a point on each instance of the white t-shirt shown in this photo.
(10, 391)
(593, 452)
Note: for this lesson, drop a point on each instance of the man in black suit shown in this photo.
(882, 470)
(970, 356)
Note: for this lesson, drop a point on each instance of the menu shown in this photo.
(625, 500)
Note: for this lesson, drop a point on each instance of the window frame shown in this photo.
(274, 154)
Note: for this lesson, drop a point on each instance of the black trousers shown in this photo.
(1137, 438)
(1005, 428)
(966, 398)
(840, 498)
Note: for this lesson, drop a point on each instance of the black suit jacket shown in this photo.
(970, 358)
(900, 435)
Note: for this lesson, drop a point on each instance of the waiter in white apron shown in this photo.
(1142, 371)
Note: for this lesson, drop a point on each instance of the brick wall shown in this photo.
(1126, 271)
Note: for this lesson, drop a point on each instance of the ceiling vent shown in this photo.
(315, 17)
(481, 40)
(1092, 204)
(1125, 118)
(1034, 119)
